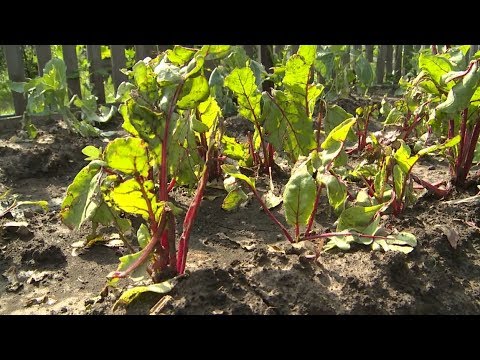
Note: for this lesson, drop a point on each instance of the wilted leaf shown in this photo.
(451, 234)
(233, 199)
(272, 200)
(130, 295)
(82, 198)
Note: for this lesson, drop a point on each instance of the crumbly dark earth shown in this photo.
(238, 262)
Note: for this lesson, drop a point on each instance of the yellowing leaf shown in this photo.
(131, 294)
(127, 155)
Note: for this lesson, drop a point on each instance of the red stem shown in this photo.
(416, 121)
(441, 193)
(271, 151)
(471, 150)
(269, 213)
(314, 211)
(192, 211)
(147, 250)
(171, 185)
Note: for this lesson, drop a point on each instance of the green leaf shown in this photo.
(42, 203)
(233, 149)
(342, 242)
(325, 64)
(31, 130)
(92, 152)
(145, 81)
(448, 144)
(297, 72)
(184, 162)
(339, 133)
(180, 55)
(131, 294)
(129, 197)
(403, 238)
(233, 171)
(363, 71)
(403, 242)
(434, 65)
(194, 91)
(82, 199)
(287, 127)
(123, 91)
(209, 111)
(104, 215)
(363, 199)
(308, 53)
(461, 93)
(212, 52)
(403, 158)
(143, 236)
(242, 83)
(233, 199)
(168, 74)
(128, 155)
(336, 192)
(399, 180)
(193, 67)
(299, 197)
(395, 116)
(141, 121)
(139, 274)
(357, 217)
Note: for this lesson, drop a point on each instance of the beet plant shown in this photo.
(173, 137)
(357, 221)
(443, 102)
(48, 94)
(282, 117)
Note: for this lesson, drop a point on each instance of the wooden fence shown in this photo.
(391, 61)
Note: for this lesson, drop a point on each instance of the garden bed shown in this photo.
(238, 263)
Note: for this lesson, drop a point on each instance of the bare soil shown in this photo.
(238, 262)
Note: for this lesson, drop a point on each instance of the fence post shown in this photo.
(388, 62)
(142, 51)
(44, 54)
(118, 62)
(266, 59)
(16, 72)
(407, 56)
(278, 49)
(473, 50)
(397, 72)
(162, 48)
(250, 50)
(380, 71)
(95, 58)
(369, 52)
(73, 76)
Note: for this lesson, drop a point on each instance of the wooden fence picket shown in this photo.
(71, 62)
(44, 54)
(16, 72)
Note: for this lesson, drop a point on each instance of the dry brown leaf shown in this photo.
(451, 234)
